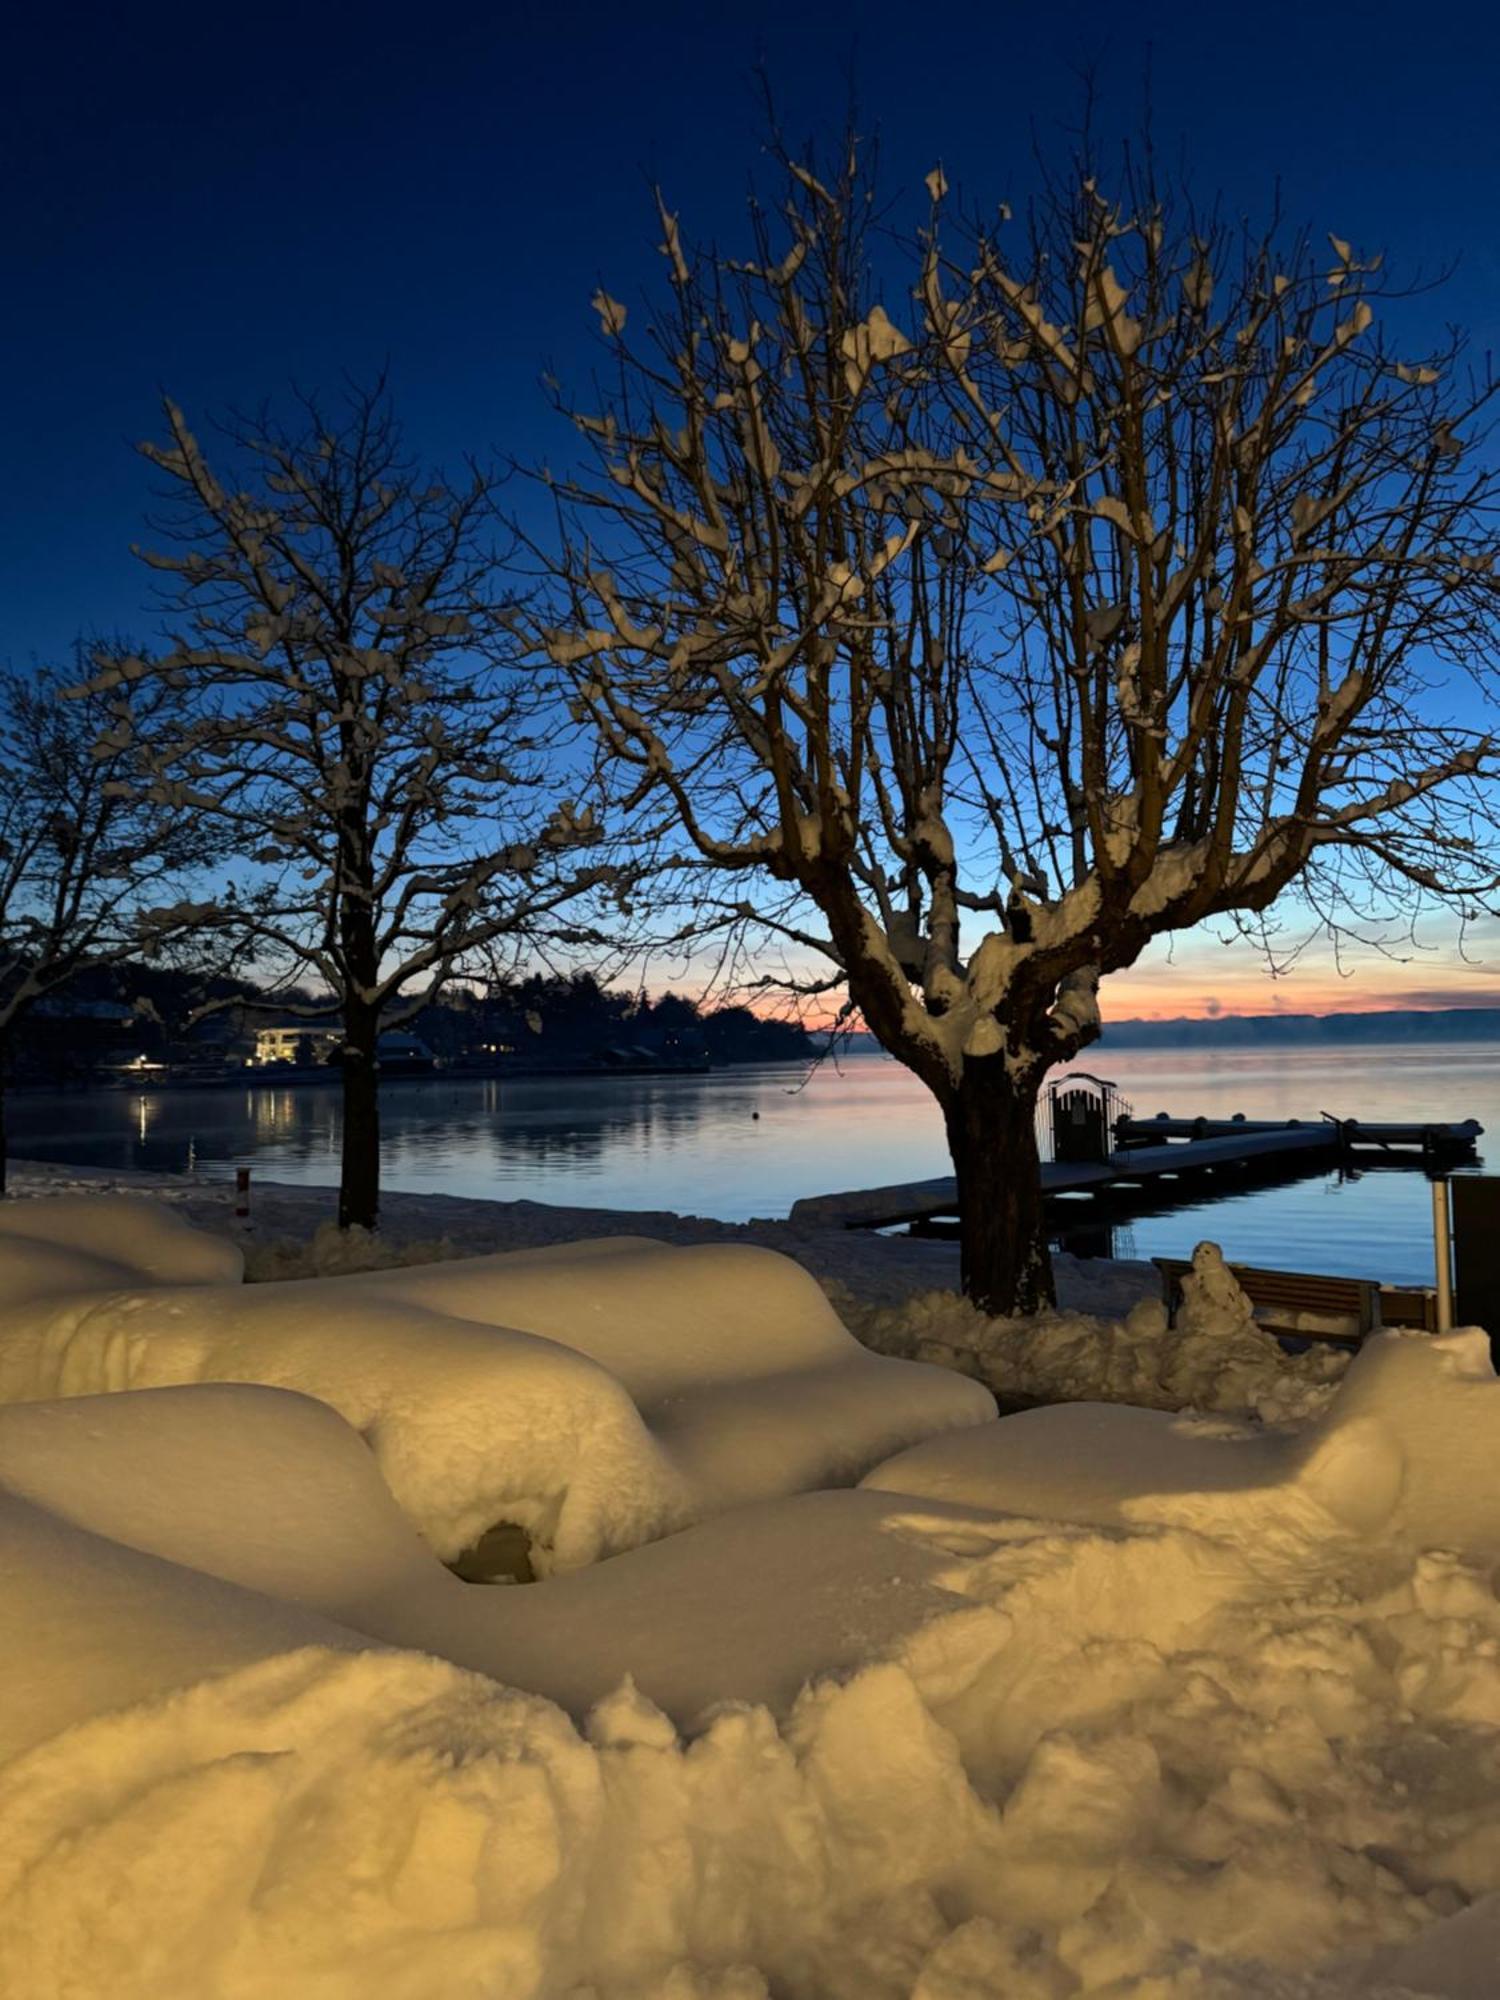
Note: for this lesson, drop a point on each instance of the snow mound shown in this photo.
(92, 1626)
(255, 1741)
(258, 1487)
(67, 1245)
(470, 1424)
(1229, 1731)
(274, 1493)
(598, 1395)
(1092, 1763)
(1401, 1453)
(733, 1355)
(1213, 1357)
(389, 1825)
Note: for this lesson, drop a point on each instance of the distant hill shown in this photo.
(1434, 1024)
(1228, 1031)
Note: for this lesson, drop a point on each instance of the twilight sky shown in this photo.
(218, 201)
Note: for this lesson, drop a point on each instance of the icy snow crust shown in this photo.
(599, 1396)
(1089, 1701)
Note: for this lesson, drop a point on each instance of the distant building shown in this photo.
(129, 1064)
(300, 1042)
(307, 1042)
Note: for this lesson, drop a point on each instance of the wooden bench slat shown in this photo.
(1408, 1308)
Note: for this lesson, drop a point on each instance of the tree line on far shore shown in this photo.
(925, 622)
(112, 1023)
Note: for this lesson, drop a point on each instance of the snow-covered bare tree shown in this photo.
(1074, 589)
(94, 864)
(358, 724)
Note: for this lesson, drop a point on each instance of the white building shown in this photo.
(296, 1042)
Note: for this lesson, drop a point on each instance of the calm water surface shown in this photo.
(695, 1143)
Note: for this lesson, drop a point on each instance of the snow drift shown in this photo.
(1405, 1451)
(253, 1749)
(600, 1395)
(1087, 1702)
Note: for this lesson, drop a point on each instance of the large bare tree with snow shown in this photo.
(357, 724)
(94, 862)
(1104, 573)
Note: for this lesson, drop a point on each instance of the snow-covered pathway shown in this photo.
(290, 1233)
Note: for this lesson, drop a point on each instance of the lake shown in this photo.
(742, 1142)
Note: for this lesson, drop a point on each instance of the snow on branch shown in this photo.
(360, 722)
(1108, 592)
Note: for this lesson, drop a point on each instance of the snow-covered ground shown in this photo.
(898, 1294)
(1086, 1701)
(290, 1233)
(598, 1395)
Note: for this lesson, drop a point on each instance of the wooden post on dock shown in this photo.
(1442, 1249)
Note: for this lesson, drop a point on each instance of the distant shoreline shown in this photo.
(1431, 1024)
(1404, 1024)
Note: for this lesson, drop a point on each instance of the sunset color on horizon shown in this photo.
(1202, 977)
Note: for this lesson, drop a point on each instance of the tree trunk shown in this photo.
(4, 1141)
(359, 1168)
(991, 1121)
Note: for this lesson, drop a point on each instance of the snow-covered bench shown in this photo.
(1286, 1301)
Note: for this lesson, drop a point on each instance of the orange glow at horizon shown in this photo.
(1197, 977)
(1200, 977)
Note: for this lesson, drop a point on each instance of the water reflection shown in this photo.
(749, 1141)
(667, 1141)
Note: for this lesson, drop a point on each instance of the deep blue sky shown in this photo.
(216, 200)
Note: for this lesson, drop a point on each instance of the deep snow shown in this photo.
(599, 1395)
(1099, 1701)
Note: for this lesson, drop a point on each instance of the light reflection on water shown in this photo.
(694, 1143)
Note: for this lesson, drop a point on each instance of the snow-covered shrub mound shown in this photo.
(73, 1243)
(93, 1624)
(259, 1487)
(1214, 1356)
(275, 1494)
(1404, 1452)
(598, 1395)
(333, 1252)
(732, 1354)
(470, 1424)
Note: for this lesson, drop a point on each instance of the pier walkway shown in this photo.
(1160, 1150)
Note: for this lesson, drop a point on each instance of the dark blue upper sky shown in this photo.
(217, 200)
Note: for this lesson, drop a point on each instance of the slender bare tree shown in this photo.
(1071, 591)
(357, 724)
(94, 864)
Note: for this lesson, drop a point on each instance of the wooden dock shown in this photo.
(1352, 1133)
(1156, 1152)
